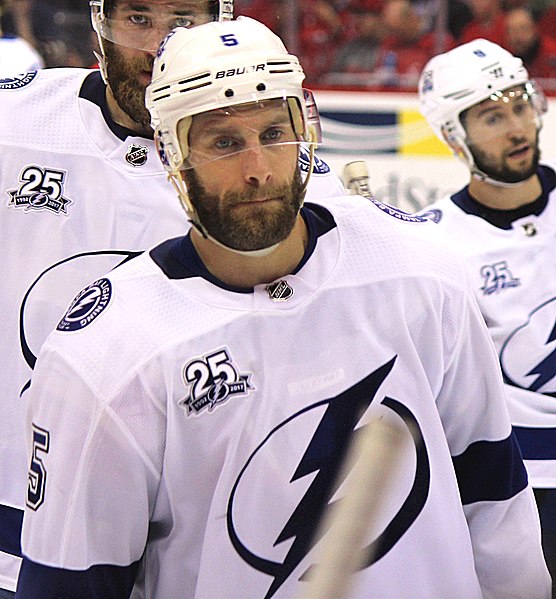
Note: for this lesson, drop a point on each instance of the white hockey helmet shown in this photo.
(246, 63)
(465, 76)
(223, 65)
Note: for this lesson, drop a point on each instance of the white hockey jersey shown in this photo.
(80, 195)
(17, 56)
(190, 434)
(512, 262)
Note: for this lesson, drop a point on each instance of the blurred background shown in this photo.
(369, 44)
(363, 59)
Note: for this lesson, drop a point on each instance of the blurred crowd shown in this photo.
(344, 43)
(59, 29)
(386, 43)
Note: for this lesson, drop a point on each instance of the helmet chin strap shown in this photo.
(179, 185)
(478, 174)
(462, 151)
(101, 64)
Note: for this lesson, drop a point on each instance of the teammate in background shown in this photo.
(479, 99)
(16, 54)
(83, 189)
(188, 419)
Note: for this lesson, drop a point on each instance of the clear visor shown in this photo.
(514, 110)
(142, 25)
(313, 113)
(245, 134)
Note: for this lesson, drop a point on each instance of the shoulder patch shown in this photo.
(87, 305)
(397, 213)
(17, 81)
(434, 214)
(319, 166)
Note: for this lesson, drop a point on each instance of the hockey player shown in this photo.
(480, 101)
(189, 416)
(82, 189)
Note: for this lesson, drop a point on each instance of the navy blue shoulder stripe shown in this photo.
(10, 529)
(98, 582)
(482, 471)
(536, 443)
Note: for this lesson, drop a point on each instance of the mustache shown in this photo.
(252, 194)
(520, 141)
(145, 63)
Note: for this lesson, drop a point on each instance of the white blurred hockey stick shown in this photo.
(356, 178)
(368, 469)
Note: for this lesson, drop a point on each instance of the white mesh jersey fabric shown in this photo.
(512, 273)
(212, 466)
(73, 206)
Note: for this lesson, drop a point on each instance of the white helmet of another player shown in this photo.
(465, 76)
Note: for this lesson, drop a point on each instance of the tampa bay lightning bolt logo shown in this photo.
(316, 479)
(528, 357)
(87, 306)
(213, 380)
(48, 297)
(319, 166)
(17, 81)
(427, 82)
(433, 214)
(164, 43)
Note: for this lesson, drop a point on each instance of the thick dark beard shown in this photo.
(503, 173)
(262, 229)
(128, 93)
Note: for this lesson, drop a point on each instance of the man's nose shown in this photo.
(257, 170)
(517, 125)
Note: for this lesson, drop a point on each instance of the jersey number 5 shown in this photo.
(37, 471)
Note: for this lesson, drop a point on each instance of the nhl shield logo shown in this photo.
(136, 155)
(279, 291)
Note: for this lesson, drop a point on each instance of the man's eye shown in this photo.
(183, 22)
(273, 135)
(225, 144)
(493, 119)
(139, 20)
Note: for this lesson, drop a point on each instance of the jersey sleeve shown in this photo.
(92, 480)
(497, 499)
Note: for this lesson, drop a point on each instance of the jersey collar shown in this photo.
(503, 219)
(178, 259)
(94, 90)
